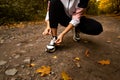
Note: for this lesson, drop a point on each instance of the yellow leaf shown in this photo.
(77, 58)
(55, 57)
(65, 76)
(31, 65)
(44, 70)
(104, 62)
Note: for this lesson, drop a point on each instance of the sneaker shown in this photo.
(76, 36)
(51, 47)
(52, 42)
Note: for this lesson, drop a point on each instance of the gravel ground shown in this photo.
(23, 44)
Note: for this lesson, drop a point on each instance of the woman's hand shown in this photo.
(78, 13)
(47, 31)
(59, 39)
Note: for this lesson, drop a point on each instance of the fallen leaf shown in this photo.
(77, 58)
(87, 53)
(31, 65)
(65, 76)
(55, 57)
(108, 41)
(44, 70)
(104, 62)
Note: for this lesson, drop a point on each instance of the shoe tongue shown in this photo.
(51, 43)
(54, 37)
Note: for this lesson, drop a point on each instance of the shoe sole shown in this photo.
(76, 39)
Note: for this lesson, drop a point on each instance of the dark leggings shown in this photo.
(57, 15)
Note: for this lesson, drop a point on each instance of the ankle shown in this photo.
(54, 37)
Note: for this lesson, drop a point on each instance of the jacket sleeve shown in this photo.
(75, 17)
(47, 14)
(83, 3)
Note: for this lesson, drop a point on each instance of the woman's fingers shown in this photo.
(47, 32)
(58, 41)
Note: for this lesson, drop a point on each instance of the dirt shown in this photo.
(18, 43)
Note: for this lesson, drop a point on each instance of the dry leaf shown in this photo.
(77, 59)
(44, 70)
(31, 65)
(55, 57)
(108, 41)
(87, 53)
(104, 62)
(65, 76)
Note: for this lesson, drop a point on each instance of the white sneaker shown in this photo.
(51, 46)
(52, 42)
(76, 36)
